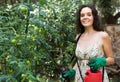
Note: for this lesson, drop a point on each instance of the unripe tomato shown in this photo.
(14, 41)
(23, 9)
(23, 75)
(28, 62)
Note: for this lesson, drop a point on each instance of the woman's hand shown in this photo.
(96, 63)
(69, 74)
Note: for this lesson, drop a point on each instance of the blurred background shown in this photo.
(37, 38)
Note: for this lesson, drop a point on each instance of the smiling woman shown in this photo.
(94, 49)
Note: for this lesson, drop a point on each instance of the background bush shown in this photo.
(36, 40)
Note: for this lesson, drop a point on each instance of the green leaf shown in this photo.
(42, 2)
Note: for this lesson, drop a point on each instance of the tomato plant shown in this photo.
(45, 48)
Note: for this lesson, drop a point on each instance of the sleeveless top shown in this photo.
(93, 51)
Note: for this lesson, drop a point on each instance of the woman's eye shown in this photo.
(82, 15)
(89, 14)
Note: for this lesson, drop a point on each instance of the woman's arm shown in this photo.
(75, 66)
(107, 47)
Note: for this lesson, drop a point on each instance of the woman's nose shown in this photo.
(85, 16)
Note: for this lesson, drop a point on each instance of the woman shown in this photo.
(94, 47)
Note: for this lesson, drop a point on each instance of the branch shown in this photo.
(113, 70)
(117, 15)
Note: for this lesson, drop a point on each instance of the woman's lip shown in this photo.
(85, 22)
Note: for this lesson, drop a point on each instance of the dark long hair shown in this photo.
(96, 23)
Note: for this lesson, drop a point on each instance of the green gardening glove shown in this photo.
(69, 74)
(96, 63)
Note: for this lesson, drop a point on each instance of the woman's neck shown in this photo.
(89, 31)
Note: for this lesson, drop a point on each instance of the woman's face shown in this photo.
(86, 17)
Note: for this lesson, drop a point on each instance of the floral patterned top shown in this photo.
(84, 56)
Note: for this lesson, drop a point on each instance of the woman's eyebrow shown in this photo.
(86, 12)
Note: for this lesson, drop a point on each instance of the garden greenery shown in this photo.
(36, 40)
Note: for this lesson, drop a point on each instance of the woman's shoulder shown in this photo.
(104, 35)
(77, 36)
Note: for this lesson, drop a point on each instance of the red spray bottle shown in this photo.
(93, 75)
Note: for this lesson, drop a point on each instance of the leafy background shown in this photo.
(38, 38)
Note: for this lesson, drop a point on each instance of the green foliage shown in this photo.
(107, 6)
(37, 40)
(45, 48)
